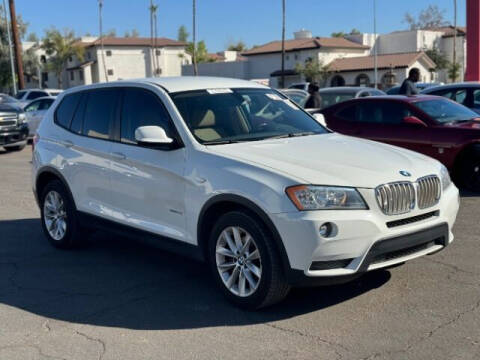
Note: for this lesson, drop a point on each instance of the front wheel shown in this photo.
(470, 173)
(245, 263)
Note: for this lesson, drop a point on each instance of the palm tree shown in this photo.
(194, 35)
(60, 48)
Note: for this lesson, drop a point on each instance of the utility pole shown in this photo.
(375, 52)
(153, 37)
(100, 6)
(194, 36)
(10, 52)
(282, 78)
(17, 45)
(454, 63)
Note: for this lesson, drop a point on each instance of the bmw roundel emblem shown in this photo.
(405, 173)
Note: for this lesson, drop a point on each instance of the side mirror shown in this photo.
(413, 120)
(152, 136)
(320, 119)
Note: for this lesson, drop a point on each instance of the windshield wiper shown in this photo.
(290, 135)
(221, 142)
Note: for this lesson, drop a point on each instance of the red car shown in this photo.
(431, 125)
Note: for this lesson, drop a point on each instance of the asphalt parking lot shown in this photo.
(118, 299)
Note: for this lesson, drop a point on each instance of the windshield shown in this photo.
(444, 111)
(217, 116)
(335, 98)
(20, 94)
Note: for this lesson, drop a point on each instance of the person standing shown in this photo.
(314, 101)
(408, 86)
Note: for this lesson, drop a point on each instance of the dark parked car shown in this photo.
(432, 125)
(467, 94)
(13, 127)
(334, 95)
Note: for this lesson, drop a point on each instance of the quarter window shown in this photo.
(142, 108)
(33, 106)
(65, 111)
(100, 113)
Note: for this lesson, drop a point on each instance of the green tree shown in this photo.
(314, 70)
(60, 47)
(453, 71)
(201, 51)
(182, 34)
(32, 37)
(438, 58)
(339, 34)
(31, 63)
(239, 46)
(429, 18)
(110, 33)
(134, 33)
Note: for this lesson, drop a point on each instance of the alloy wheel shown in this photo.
(238, 261)
(54, 215)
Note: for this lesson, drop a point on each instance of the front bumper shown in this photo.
(364, 239)
(14, 136)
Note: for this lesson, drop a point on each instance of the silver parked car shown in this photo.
(334, 95)
(35, 111)
(467, 93)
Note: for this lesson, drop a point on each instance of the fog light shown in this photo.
(325, 230)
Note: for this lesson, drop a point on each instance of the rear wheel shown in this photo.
(59, 216)
(245, 263)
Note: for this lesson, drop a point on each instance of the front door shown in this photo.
(148, 184)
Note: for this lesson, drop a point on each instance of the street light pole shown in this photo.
(100, 6)
(454, 65)
(283, 46)
(14, 81)
(375, 65)
(194, 35)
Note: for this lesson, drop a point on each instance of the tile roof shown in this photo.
(386, 61)
(136, 41)
(301, 44)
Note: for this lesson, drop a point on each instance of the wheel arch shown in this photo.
(223, 203)
(46, 175)
(467, 150)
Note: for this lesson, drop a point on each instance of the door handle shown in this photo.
(66, 143)
(118, 155)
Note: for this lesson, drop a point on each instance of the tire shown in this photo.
(69, 235)
(469, 173)
(257, 291)
(15, 147)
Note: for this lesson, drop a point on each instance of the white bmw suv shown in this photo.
(234, 173)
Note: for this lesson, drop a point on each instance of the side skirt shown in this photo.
(164, 243)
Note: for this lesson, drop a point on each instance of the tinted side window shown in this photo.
(142, 108)
(348, 113)
(381, 113)
(100, 111)
(476, 97)
(45, 104)
(66, 109)
(36, 94)
(34, 106)
(77, 122)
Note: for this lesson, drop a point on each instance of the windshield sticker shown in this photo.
(273, 96)
(219, 91)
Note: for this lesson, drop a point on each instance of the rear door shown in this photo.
(148, 183)
(89, 122)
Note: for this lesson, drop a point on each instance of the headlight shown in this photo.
(21, 118)
(307, 197)
(445, 177)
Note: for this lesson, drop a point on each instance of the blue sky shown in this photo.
(220, 22)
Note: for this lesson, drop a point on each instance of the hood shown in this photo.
(333, 159)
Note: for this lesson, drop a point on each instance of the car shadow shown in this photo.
(118, 282)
